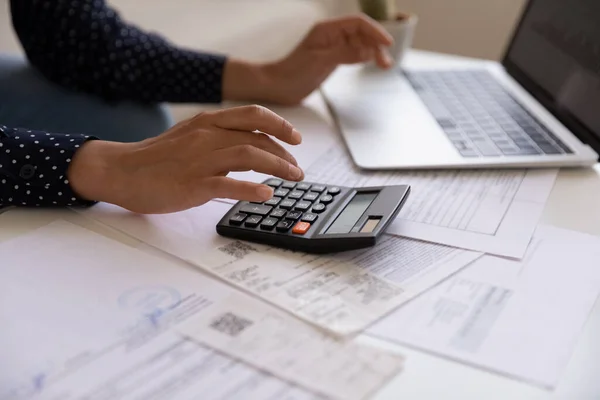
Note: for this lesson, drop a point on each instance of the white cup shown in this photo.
(402, 29)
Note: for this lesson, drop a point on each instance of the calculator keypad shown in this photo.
(284, 225)
(287, 204)
(278, 213)
(326, 199)
(257, 209)
(302, 205)
(252, 221)
(293, 205)
(269, 223)
(319, 208)
(237, 219)
(294, 215)
(309, 217)
(281, 192)
(273, 201)
(311, 196)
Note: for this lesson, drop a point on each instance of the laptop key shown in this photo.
(468, 153)
(486, 148)
(446, 123)
(460, 144)
(549, 149)
(454, 135)
(528, 150)
(509, 151)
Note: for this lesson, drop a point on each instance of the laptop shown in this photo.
(539, 107)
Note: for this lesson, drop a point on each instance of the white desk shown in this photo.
(574, 204)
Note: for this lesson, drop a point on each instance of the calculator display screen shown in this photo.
(352, 213)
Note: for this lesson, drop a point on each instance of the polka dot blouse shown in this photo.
(85, 46)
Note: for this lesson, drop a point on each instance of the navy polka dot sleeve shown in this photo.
(33, 168)
(84, 45)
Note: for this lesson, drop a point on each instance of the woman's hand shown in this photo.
(345, 40)
(187, 165)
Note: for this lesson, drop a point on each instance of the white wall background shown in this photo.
(478, 28)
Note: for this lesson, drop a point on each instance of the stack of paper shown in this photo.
(495, 212)
(192, 313)
(85, 317)
(341, 294)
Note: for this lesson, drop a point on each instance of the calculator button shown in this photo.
(326, 199)
(274, 182)
(237, 219)
(287, 204)
(278, 213)
(296, 194)
(303, 186)
(302, 205)
(252, 221)
(317, 188)
(334, 190)
(293, 215)
(288, 185)
(309, 217)
(285, 225)
(311, 196)
(281, 192)
(256, 209)
(273, 201)
(268, 223)
(318, 208)
(301, 228)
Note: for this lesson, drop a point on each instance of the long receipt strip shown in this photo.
(342, 294)
(494, 212)
(519, 318)
(102, 318)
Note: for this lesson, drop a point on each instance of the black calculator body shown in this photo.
(316, 218)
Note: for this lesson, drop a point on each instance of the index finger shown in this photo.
(366, 26)
(256, 118)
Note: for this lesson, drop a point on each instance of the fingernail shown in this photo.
(264, 192)
(295, 172)
(296, 137)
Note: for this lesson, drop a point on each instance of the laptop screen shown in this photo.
(555, 55)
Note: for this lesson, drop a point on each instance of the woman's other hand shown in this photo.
(346, 40)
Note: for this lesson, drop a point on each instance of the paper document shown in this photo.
(342, 294)
(493, 211)
(271, 341)
(169, 367)
(519, 318)
(77, 301)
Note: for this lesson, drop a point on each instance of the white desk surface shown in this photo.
(574, 204)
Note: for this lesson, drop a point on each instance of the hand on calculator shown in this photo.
(187, 165)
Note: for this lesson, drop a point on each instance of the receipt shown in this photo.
(329, 292)
(269, 340)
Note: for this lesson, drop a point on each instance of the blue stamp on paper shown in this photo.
(150, 302)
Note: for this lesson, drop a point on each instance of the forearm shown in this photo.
(85, 46)
(247, 81)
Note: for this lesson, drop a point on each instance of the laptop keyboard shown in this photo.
(480, 118)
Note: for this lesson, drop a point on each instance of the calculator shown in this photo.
(316, 218)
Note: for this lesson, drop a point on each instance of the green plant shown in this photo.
(379, 10)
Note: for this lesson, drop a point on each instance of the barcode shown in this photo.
(237, 249)
(230, 324)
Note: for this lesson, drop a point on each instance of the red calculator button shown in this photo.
(301, 228)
